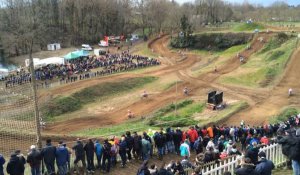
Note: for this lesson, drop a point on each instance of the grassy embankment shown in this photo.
(187, 111)
(265, 67)
(284, 115)
(66, 104)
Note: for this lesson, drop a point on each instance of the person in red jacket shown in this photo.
(193, 135)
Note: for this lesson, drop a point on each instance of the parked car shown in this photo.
(86, 47)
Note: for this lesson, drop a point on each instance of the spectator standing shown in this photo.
(15, 166)
(106, 156)
(98, 151)
(264, 166)
(246, 168)
(145, 149)
(122, 150)
(252, 153)
(193, 135)
(79, 155)
(62, 158)
(160, 143)
(129, 141)
(48, 154)
(185, 149)
(89, 149)
(34, 159)
(2, 162)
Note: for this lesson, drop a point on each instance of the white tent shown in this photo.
(51, 60)
(44, 62)
(3, 72)
(54, 46)
(35, 61)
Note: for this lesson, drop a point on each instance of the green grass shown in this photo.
(224, 114)
(142, 49)
(65, 104)
(284, 115)
(183, 117)
(263, 69)
(138, 125)
(248, 27)
(275, 42)
(233, 50)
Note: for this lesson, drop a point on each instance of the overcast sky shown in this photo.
(264, 2)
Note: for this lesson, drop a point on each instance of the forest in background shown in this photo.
(74, 22)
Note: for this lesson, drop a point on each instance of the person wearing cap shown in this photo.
(48, 154)
(62, 158)
(264, 166)
(15, 166)
(34, 159)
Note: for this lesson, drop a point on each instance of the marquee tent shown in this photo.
(76, 54)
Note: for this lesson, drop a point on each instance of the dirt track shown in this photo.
(263, 103)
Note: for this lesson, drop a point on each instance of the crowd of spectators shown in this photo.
(207, 144)
(80, 68)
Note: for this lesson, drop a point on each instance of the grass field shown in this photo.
(283, 116)
(142, 49)
(216, 59)
(224, 114)
(65, 104)
(248, 27)
(263, 68)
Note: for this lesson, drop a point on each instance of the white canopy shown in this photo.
(44, 62)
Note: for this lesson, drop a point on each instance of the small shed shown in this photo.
(54, 46)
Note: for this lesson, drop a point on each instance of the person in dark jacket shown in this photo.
(122, 150)
(177, 139)
(264, 166)
(106, 156)
(160, 143)
(2, 162)
(137, 146)
(15, 166)
(164, 171)
(62, 158)
(178, 169)
(48, 154)
(252, 153)
(89, 151)
(34, 159)
(129, 141)
(143, 170)
(246, 168)
(79, 155)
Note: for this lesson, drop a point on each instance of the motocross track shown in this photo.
(263, 102)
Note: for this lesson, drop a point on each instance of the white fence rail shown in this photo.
(273, 152)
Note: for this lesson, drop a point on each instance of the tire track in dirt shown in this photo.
(277, 97)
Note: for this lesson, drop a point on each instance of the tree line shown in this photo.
(74, 22)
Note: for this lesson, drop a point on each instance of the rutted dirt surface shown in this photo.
(263, 102)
